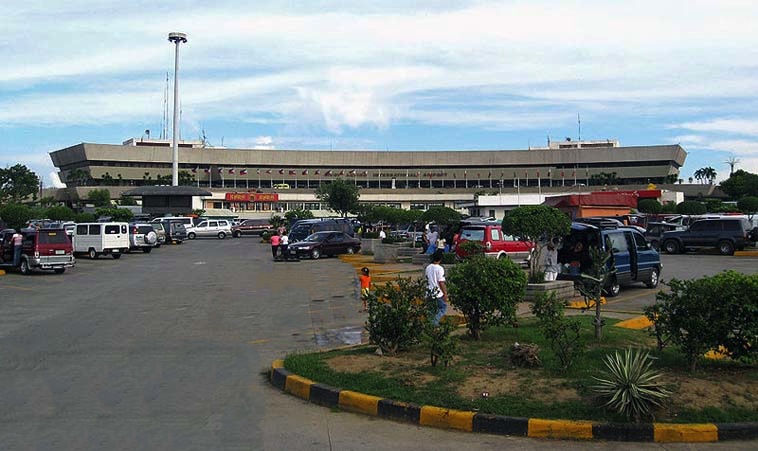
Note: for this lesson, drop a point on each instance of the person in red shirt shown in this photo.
(365, 280)
(274, 245)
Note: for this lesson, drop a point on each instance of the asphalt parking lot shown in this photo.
(165, 350)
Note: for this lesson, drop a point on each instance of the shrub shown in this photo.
(592, 282)
(562, 333)
(708, 313)
(649, 206)
(115, 214)
(266, 235)
(629, 385)
(442, 346)
(84, 217)
(486, 291)
(397, 313)
(691, 207)
(60, 213)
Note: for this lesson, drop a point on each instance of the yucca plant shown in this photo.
(629, 385)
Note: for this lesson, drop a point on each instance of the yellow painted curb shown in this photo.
(277, 364)
(580, 304)
(746, 253)
(636, 323)
(298, 386)
(447, 418)
(559, 429)
(2, 272)
(359, 402)
(685, 432)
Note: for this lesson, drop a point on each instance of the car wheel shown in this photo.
(315, 254)
(671, 247)
(236, 234)
(116, 256)
(147, 249)
(92, 254)
(191, 235)
(221, 235)
(613, 289)
(59, 270)
(25, 269)
(726, 247)
(350, 251)
(652, 282)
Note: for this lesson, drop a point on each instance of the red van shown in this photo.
(496, 244)
(48, 249)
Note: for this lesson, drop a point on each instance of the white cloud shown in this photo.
(743, 126)
(55, 180)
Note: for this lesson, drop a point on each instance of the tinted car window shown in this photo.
(337, 237)
(203, 224)
(213, 224)
(53, 237)
(144, 229)
(697, 226)
(81, 230)
(94, 229)
(111, 230)
(639, 240)
(731, 225)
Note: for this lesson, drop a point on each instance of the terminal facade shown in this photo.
(408, 179)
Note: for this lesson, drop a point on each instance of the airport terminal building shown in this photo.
(243, 179)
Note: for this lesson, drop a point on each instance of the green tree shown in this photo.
(486, 291)
(108, 179)
(47, 201)
(442, 216)
(669, 207)
(60, 213)
(198, 212)
(99, 197)
(116, 214)
(705, 175)
(651, 206)
(691, 207)
(537, 224)
(741, 184)
(78, 177)
(339, 196)
(185, 178)
(17, 182)
(599, 275)
(294, 215)
(748, 205)
(84, 217)
(126, 200)
(15, 215)
(604, 178)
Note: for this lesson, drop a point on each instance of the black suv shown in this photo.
(724, 234)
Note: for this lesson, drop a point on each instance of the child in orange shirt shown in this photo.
(365, 279)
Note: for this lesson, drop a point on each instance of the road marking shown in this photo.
(257, 342)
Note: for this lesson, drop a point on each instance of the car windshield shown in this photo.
(316, 237)
(472, 234)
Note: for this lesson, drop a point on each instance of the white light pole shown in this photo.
(176, 38)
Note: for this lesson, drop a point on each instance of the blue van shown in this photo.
(634, 258)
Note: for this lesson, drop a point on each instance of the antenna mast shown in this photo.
(579, 122)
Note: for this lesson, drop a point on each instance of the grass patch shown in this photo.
(720, 391)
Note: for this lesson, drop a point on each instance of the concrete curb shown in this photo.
(439, 417)
(2, 272)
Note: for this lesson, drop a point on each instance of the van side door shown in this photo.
(647, 257)
(621, 257)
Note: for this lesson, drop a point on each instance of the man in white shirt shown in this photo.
(435, 276)
(382, 235)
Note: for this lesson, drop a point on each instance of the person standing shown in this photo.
(435, 277)
(431, 238)
(18, 239)
(365, 279)
(284, 243)
(382, 235)
(275, 244)
(551, 262)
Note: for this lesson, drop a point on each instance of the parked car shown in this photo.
(175, 230)
(325, 244)
(251, 227)
(634, 258)
(160, 233)
(187, 221)
(142, 236)
(724, 234)
(496, 244)
(212, 227)
(655, 230)
(305, 227)
(101, 238)
(47, 249)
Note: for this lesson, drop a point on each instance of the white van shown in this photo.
(96, 238)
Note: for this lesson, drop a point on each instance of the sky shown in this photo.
(383, 75)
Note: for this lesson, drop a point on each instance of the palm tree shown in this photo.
(699, 175)
(732, 162)
(706, 174)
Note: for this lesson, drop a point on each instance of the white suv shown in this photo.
(211, 227)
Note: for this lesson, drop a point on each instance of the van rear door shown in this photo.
(53, 242)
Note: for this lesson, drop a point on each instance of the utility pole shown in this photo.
(176, 38)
